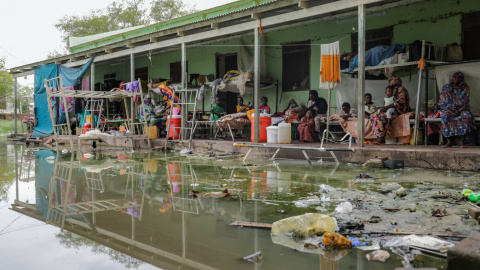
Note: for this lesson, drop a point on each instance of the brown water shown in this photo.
(134, 210)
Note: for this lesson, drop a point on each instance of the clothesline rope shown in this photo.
(273, 45)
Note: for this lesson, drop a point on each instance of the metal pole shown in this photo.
(184, 86)
(361, 77)
(15, 115)
(417, 109)
(256, 89)
(426, 102)
(132, 78)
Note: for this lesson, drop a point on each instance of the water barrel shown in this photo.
(265, 121)
(272, 134)
(175, 126)
(284, 133)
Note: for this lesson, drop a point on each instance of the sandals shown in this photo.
(377, 143)
(446, 146)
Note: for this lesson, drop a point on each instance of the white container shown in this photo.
(272, 133)
(284, 133)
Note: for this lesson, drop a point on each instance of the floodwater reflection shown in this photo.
(138, 208)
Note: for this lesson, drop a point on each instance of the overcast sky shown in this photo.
(27, 27)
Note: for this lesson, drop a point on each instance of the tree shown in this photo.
(165, 10)
(119, 15)
(6, 80)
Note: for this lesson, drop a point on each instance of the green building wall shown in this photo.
(438, 21)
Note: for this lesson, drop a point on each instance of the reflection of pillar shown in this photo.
(184, 235)
(255, 231)
(16, 166)
(328, 263)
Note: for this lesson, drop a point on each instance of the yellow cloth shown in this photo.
(241, 108)
(330, 65)
(249, 114)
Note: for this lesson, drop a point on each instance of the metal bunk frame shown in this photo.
(420, 77)
(56, 89)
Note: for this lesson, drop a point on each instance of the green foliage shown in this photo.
(6, 80)
(165, 10)
(119, 15)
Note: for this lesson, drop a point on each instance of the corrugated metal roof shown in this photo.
(202, 16)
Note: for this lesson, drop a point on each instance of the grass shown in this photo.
(8, 126)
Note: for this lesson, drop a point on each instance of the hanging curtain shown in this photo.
(330, 65)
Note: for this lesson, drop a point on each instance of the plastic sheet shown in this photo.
(378, 255)
(335, 240)
(344, 208)
(305, 225)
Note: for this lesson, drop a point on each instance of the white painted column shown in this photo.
(132, 78)
(92, 76)
(15, 115)
(256, 89)
(184, 86)
(361, 77)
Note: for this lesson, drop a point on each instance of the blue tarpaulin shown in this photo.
(70, 76)
(375, 55)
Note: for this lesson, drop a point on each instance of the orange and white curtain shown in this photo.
(330, 65)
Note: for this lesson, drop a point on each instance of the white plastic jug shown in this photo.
(284, 133)
(272, 134)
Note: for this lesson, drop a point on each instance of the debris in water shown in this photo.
(401, 192)
(439, 212)
(378, 255)
(255, 257)
(335, 240)
(363, 176)
(186, 152)
(375, 219)
(344, 208)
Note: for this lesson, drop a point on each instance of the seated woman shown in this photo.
(320, 106)
(306, 129)
(294, 114)
(264, 108)
(454, 109)
(150, 116)
(348, 111)
(240, 106)
(401, 102)
(216, 111)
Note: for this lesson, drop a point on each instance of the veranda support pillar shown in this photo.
(16, 109)
(361, 76)
(256, 89)
(184, 108)
(132, 78)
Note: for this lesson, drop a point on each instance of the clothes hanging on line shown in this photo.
(330, 65)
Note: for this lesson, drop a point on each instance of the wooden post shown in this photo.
(256, 89)
(361, 77)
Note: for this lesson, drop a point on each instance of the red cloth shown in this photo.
(306, 129)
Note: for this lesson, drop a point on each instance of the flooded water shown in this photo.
(135, 210)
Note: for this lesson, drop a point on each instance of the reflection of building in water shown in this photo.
(118, 205)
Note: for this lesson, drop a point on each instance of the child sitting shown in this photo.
(388, 104)
(306, 129)
(348, 111)
(370, 106)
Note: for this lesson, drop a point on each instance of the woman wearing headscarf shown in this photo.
(401, 103)
(454, 109)
(150, 115)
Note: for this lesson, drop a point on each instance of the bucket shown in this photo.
(152, 132)
(265, 121)
(272, 133)
(419, 139)
(174, 131)
(284, 133)
(87, 127)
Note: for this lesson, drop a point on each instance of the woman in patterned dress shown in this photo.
(454, 109)
(306, 129)
(401, 104)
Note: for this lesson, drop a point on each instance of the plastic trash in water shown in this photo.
(186, 152)
(336, 240)
(326, 188)
(308, 202)
(344, 208)
(256, 258)
(325, 199)
(374, 246)
(474, 197)
(378, 255)
(304, 225)
(356, 242)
